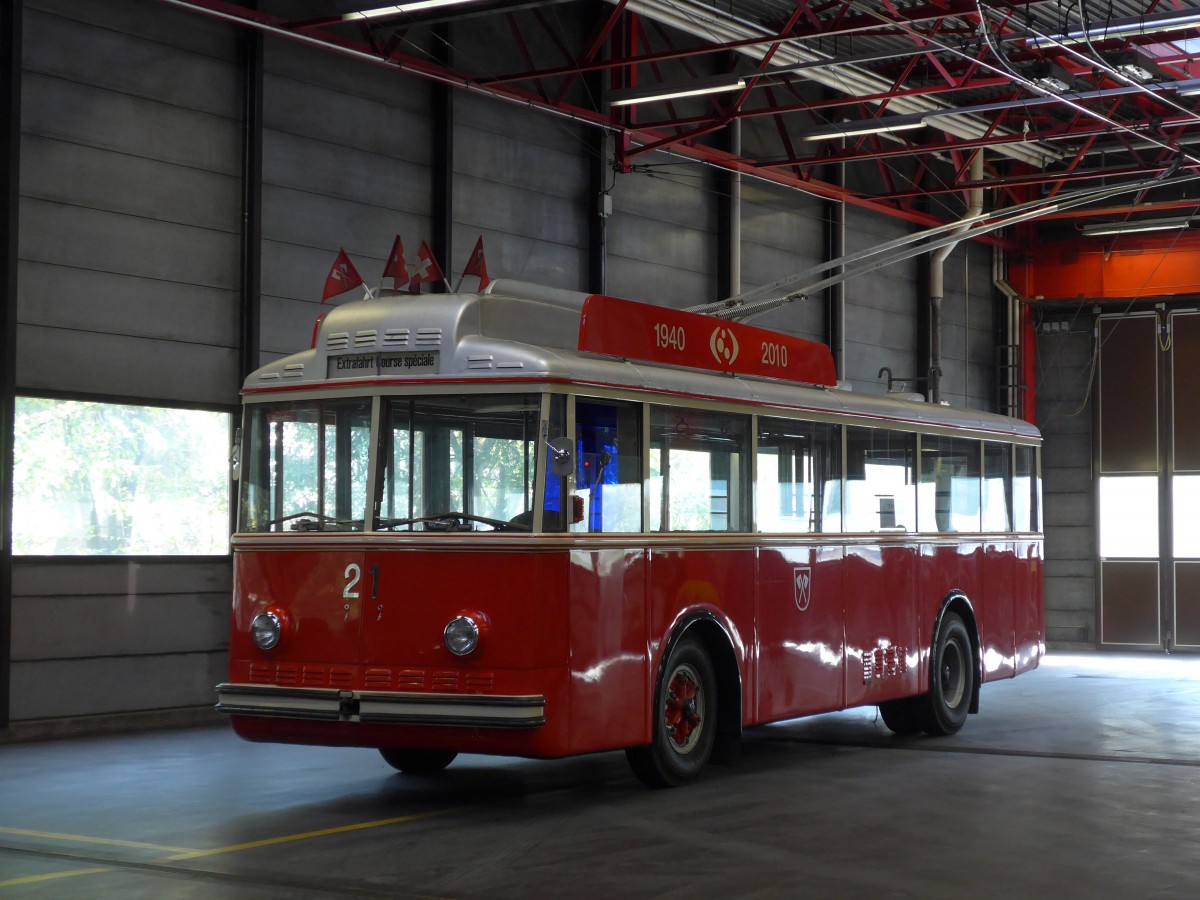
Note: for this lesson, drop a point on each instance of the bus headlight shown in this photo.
(461, 635)
(266, 630)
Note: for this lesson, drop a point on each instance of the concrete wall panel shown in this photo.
(89, 687)
(81, 362)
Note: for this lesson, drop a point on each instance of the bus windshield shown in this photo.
(446, 463)
(457, 463)
(305, 466)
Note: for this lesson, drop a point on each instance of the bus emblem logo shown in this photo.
(724, 346)
(803, 580)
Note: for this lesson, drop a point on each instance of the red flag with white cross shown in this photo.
(477, 265)
(396, 268)
(342, 276)
(425, 269)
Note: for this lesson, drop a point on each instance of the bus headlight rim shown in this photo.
(461, 635)
(265, 630)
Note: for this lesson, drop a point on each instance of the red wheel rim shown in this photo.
(683, 709)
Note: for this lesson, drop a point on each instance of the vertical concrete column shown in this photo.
(10, 158)
(250, 312)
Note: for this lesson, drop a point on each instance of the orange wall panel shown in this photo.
(1102, 268)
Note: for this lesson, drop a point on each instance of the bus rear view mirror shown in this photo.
(562, 462)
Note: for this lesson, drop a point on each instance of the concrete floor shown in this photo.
(1079, 780)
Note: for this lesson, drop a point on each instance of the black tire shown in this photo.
(951, 678)
(685, 720)
(417, 762)
(903, 717)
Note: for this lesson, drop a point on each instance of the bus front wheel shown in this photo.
(952, 678)
(685, 719)
(417, 762)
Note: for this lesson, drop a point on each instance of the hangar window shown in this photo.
(107, 479)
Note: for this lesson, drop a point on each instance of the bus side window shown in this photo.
(798, 472)
(608, 467)
(1026, 490)
(997, 487)
(699, 470)
(881, 488)
(948, 498)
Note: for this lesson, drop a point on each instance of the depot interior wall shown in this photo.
(130, 270)
(128, 267)
(346, 165)
(521, 183)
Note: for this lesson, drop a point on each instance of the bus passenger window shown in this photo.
(798, 470)
(1026, 490)
(948, 499)
(698, 471)
(608, 467)
(880, 480)
(997, 486)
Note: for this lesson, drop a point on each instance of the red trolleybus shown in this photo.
(539, 523)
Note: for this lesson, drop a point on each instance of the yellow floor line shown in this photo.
(33, 879)
(86, 839)
(235, 848)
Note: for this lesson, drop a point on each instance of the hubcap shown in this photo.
(953, 675)
(683, 714)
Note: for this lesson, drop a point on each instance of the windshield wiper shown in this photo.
(453, 521)
(312, 521)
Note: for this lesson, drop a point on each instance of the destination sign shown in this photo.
(367, 365)
(659, 334)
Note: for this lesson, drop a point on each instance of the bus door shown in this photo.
(884, 647)
(800, 613)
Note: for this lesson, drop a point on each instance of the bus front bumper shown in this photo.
(382, 707)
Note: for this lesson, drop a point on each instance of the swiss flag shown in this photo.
(477, 265)
(395, 268)
(341, 277)
(425, 269)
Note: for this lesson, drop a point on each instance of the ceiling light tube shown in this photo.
(1123, 28)
(696, 88)
(401, 9)
(862, 127)
(1188, 88)
(1102, 228)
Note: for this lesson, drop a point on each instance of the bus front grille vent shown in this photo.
(479, 682)
(479, 362)
(377, 679)
(287, 675)
(445, 681)
(429, 337)
(261, 674)
(410, 678)
(396, 337)
(293, 370)
(338, 340)
(365, 338)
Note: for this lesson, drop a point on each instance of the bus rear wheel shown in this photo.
(685, 720)
(952, 678)
(417, 762)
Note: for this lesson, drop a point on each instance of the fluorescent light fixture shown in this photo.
(1188, 88)
(1102, 228)
(864, 126)
(1171, 20)
(694, 88)
(401, 9)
